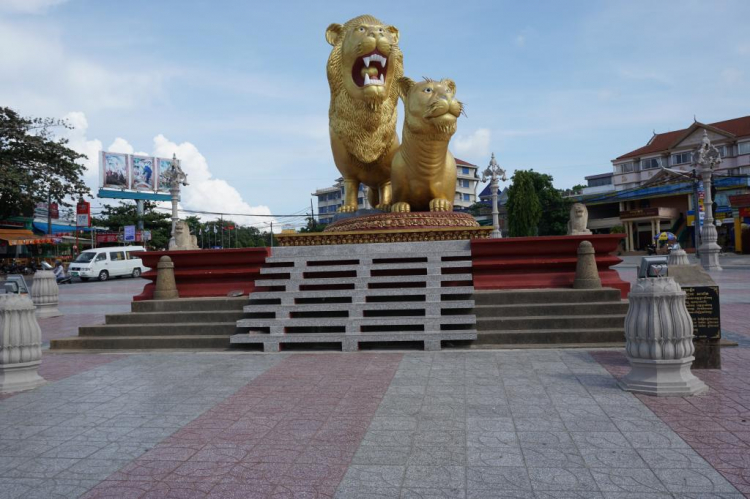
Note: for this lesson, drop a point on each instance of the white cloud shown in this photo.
(81, 144)
(40, 77)
(204, 192)
(475, 145)
(28, 6)
(520, 40)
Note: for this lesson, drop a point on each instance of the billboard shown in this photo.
(142, 173)
(128, 176)
(115, 170)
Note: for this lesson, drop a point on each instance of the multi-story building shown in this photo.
(467, 181)
(330, 198)
(651, 189)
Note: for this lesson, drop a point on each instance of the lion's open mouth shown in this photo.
(370, 69)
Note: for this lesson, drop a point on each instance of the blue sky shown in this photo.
(238, 88)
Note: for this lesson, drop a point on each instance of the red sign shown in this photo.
(740, 200)
(106, 237)
(744, 212)
(117, 237)
(83, 208)
(54, 210)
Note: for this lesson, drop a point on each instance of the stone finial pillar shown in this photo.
(44, 294)
(677, 257)
(166, 287)
(659, 341)
(587, 275)
(20, 344)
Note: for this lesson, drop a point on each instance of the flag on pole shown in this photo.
(216, 231)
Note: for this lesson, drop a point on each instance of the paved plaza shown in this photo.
(453, 424)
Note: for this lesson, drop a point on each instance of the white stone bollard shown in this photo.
(44, 294)
(677, 257)
(20, 344)
(659, 340)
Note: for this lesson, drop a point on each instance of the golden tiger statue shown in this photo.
(423, 171)
(362, 70)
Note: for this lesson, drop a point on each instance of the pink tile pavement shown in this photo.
(716, 425)
(291, 432)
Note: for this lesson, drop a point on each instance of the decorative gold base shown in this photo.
(392, 228)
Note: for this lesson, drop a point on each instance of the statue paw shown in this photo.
(383, 207)
(400, 208)
(440, 205)
(347, 208)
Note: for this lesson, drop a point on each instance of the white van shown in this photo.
(103, 263)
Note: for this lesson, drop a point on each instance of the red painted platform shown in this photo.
(207, 272)
(542, 262)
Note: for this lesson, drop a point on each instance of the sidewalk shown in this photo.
(727, 261)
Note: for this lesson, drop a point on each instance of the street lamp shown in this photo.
(494, 173)
(706, 158)
(174, 177)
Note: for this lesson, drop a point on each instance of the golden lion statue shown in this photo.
(423, 171)
(362, 68)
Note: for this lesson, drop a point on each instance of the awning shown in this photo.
(16, 237)
(59, 228)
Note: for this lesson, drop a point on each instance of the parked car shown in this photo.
(103, 263)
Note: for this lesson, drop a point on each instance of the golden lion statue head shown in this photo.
(365, 59)
(431, 106)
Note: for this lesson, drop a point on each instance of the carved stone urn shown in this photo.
(659, 340)
(44, 294)
(20, 344)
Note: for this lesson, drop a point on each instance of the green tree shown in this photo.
(312, 226)
(555, 208)
(115, 217)
(34, 165)
(524, 208)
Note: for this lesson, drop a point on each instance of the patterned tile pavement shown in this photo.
(507, 424)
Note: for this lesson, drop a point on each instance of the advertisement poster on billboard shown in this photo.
(164, 166)
(129, 234)
(115, 171)
(142, 174)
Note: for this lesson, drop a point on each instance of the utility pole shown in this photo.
(139, 210)
(222, 231)
(272, 234)
(312, 213)
(49, 210)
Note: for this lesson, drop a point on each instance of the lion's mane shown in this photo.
(366, 129)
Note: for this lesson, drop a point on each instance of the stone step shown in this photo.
(201, 342)
(339, 293)
(551, 337)
(355, 321)
(204, 317)
(189, 304)
(365, 269)
(351, 342)
(544, 296)
(167, 330)
(434, 279)
(284, 310)
(546, 309)
(551, 322)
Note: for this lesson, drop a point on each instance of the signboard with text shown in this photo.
(703, 305)
(129, 235)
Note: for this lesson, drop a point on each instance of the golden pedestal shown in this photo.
(392, 228)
